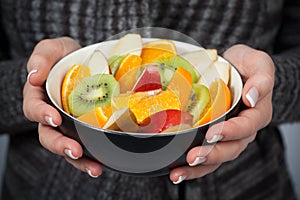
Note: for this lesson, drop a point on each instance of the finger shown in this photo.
(34, 97)
(180, 174)
(59, 144)
(247, 123)
(219, 153)
(45, 55)
(89, 166)
(257, 70)
(257, 87)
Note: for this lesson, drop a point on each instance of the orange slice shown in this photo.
(163, 44)
(149, 55)
(221, 101)
(144, 104)
(181, 84)
(158, 49)
(74, 75)
(128, 63)
(96, 117)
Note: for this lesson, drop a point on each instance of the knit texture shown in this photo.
(34, 173)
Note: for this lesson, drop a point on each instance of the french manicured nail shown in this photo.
(49, 120)
(90, 173)
(69, 153)
(198, 161)
(180, 179)
(215, 138)
(252, 96)
(31, 72)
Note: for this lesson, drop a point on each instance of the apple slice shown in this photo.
(129, 44)
(165, 119)
(122, 120)
(218, 69)
(98, 63)
(148, 80)
(201, 59)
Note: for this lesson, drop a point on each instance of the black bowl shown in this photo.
(133, 153)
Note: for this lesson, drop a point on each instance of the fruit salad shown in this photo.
(147, 87)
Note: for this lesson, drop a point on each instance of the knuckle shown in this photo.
(46, 43)
(35, 58)
(267, 79)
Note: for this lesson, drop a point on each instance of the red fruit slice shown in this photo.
(149, 80)
(165, 119)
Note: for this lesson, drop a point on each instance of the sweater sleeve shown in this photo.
(13, 75)
(12, 78)
(286, 95)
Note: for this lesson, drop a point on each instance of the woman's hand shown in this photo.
(233, 136)
(44, 56)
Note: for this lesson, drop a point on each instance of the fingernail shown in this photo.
(198, 161)
(90, 173)
(49, 120)
(69, 153)
(31, 72)
(180, 179)
(252, 96)
(215, 138)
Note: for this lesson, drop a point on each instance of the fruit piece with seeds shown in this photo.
(92, 92)
(176, 61)
(198, 102)
(74, 75)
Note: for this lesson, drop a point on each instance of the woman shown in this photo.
(250, 142)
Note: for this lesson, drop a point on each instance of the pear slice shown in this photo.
(201, 59)
(129, 44)
(218, 69)
(98, 63)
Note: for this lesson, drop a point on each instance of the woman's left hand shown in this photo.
(234, 135)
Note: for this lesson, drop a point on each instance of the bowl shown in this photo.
(133, 153)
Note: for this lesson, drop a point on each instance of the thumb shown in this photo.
(257, 71)
(45, 54)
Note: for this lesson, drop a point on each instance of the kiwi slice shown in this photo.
(166, 73)
(114, 63)
(176, 61)
(91, 92)
(198, 102)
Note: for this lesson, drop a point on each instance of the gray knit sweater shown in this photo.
(258, 173)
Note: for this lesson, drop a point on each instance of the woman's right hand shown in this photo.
(44, 56)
